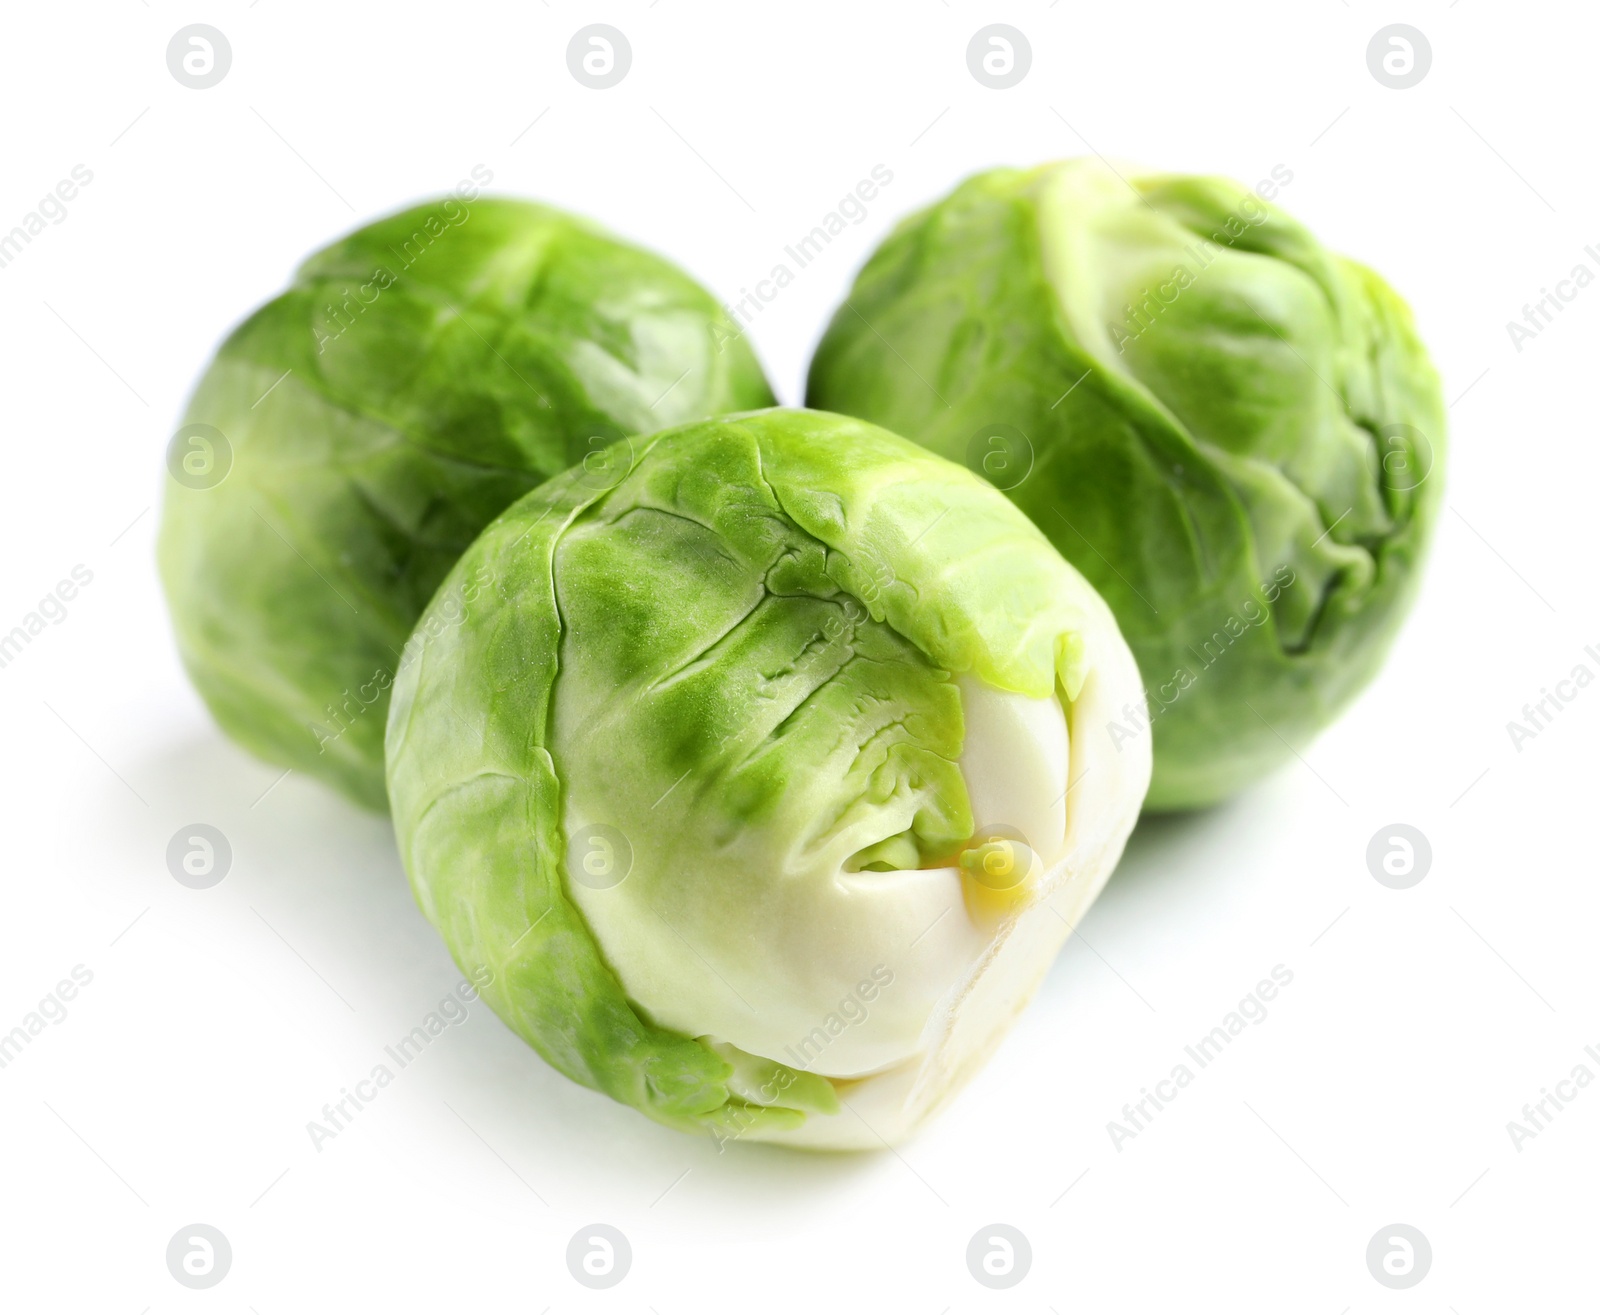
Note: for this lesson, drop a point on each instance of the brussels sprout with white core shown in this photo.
(765, 783)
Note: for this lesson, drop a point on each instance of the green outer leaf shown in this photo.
(1247, 436)
(474, 781)
(419, 376)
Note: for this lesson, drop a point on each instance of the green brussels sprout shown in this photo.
(354, 435)
(1233, 433)
(761, 781)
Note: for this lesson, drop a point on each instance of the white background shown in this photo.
(218, 1022)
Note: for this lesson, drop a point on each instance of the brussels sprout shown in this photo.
(762, 784)
(416, 379)
(1228, 429)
